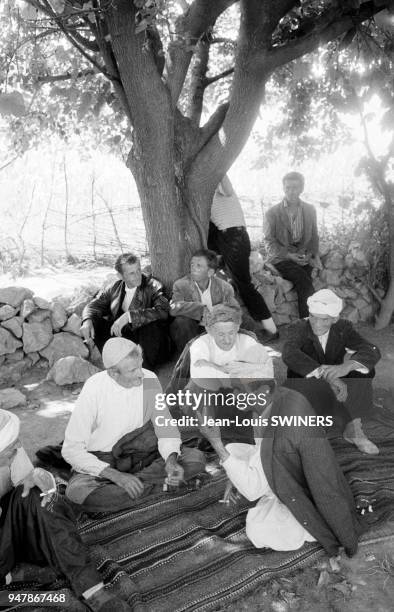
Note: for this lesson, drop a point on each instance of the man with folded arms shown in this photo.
(115, 446)
(333, 366)
(39, 529)
(193, 294)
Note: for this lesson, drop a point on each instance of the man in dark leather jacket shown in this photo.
(134, 307)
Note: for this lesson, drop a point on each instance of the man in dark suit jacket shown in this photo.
(193, 294)
(292, 239)
(330, 363)
(134, 307)
(300, 468)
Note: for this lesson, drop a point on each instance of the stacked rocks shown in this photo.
(346, 273)
(35, 331)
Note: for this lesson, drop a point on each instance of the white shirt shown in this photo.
(270, 523)
(128, 298)
(205, 295)
(11, 475)
(323, 340)
(245, 349)
(104, 412)
(226, 210)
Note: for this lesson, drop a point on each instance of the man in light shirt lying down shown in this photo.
(114, 442)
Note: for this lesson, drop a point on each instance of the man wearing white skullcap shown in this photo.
(117, 419)
(40, 529)
(338, 364)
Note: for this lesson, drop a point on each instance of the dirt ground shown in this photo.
(361, 584)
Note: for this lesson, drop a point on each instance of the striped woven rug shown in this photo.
(187, 552)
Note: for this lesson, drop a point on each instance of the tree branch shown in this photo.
(255, 61)
(218, 40)
(227, 133)
(330, 25)
(217, 77)
(201, 15)
(198, 78)
(9, 162)
(46, 8)
(134, 57)
(88, 44)
(214, 123)
(53, 78)
(100, 31)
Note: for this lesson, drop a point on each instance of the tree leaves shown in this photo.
(26, 11)
(57, 5)
(12, 104)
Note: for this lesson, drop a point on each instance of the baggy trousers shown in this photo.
(44, 536)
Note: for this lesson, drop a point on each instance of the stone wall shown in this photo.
(346, 273)
(36, 331)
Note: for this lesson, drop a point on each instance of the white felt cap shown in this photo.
(116, 349)
(325, 302)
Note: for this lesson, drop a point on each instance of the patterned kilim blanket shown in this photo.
(189, 552)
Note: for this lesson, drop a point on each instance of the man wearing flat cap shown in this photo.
(336, 363)
(118, 448)
(38, 530)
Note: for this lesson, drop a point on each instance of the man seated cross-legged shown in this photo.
(211, 361)
(117, 447)
(38, 536)
(333, 366)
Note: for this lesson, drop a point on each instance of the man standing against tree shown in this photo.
(133, 307)
(292, 239)
(229, 237)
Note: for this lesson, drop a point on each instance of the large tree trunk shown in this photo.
(175, 211)
(387, 308)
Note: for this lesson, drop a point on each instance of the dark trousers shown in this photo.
(153, 339)
(359, 402)
(183, 329)
(101, 495)
(301, 277)
(234, 246)
(44, 536)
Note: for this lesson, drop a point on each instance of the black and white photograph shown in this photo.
(197, 305)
